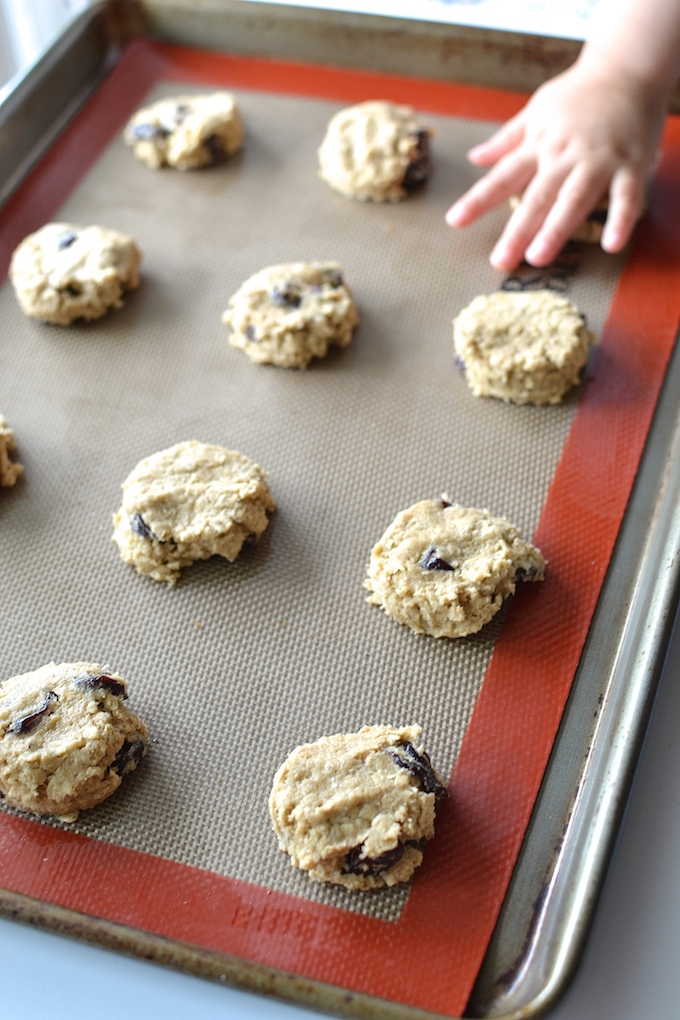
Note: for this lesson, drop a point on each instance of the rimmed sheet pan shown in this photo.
(347, 444)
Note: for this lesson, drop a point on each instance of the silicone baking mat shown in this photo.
(241, 662)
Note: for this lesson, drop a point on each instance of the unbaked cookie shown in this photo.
(444, 569)
(9, 469)
(188, 503)
(356, 809)
(186, 132)
(61, 272)
(527, 347)
(375, 151)
(288, 314)
(67, 738)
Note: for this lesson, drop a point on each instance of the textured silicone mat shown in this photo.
(241, 662)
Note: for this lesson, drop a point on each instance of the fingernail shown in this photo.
(453, 215)
(534, 251)
(498, 257)
(610, 240)
(478, 149)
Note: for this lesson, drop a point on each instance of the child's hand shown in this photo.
(580, 136)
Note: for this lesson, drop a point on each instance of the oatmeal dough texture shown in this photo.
(9, 469)
(186, 132)
(527, 347)
(376, 151)
(355, 809)
(445, 570)
(63, 272)
(67, 738)
(188, 503)
(288, 314)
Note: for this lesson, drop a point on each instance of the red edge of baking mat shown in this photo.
(430, 957)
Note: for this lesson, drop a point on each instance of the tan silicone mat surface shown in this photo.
(241, 662)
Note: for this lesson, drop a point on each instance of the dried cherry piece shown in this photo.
(288, 297)
(598, 216)
(66, 239)
(420, 766)
(333, 277)
(129, 756)
(148, 132)
(181, 111)
(140, 527)
(431, 561)
(522, 574)
(100, 682)
(28, 722)
(419, 168)
(214, 146)
(355, 864)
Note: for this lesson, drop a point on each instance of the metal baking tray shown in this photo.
(548, 909)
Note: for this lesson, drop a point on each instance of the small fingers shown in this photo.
(503, 141)
(509, 177)
(578, 195)
(626, 200)
(526, 221)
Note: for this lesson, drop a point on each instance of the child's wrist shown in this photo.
(647, 82)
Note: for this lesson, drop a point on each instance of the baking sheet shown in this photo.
(221, 666)
(347, 444)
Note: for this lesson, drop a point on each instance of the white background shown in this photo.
(631, 968)
(536, 16)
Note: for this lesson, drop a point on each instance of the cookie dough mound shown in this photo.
(376, 151)
(288, 314)
(62, 272)
(444, 569)
(592, 228)
(527, 347)
(188, 503)
(355, 809)
(67, 738)
(186, 132)
(9, 469)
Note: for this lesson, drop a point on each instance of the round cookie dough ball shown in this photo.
(9, 469)
(62, 272)
(376, 151)
(355, 809)
(444, 569)
(67, 738)
(186, 132)
(188, 503)
(288, 314)
(527, 347)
